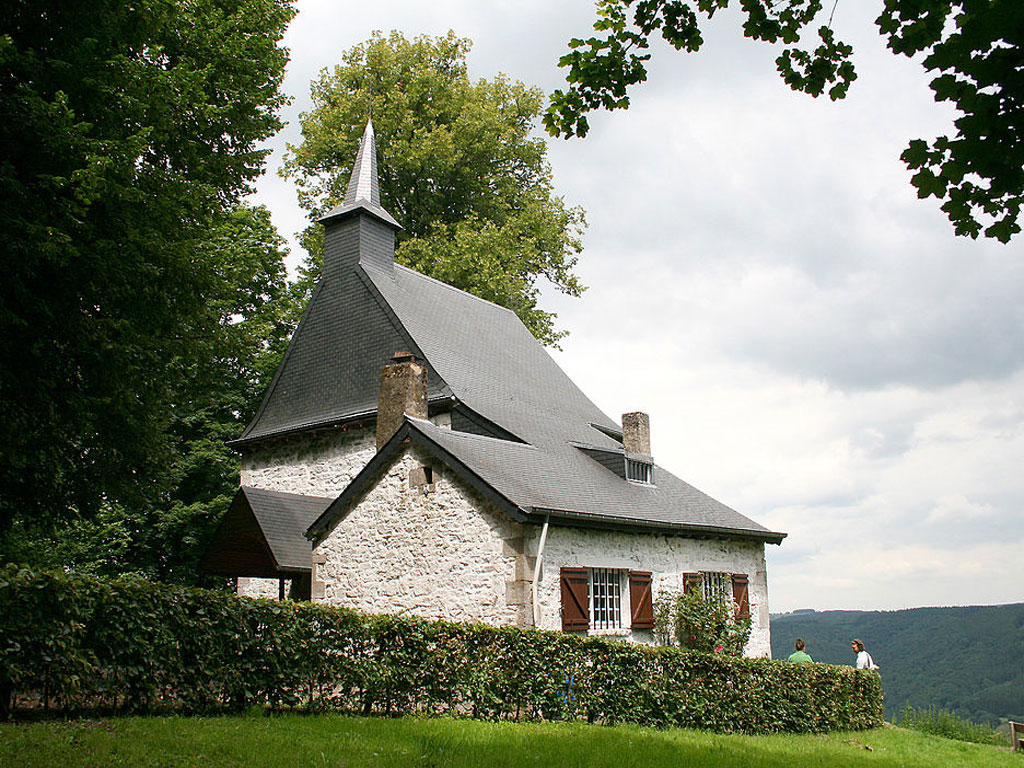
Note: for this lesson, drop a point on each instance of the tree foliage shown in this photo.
(973, 47)
(976, 48)
(243, 334)
(458, 169)
(127, 129)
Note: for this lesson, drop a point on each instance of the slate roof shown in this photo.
(480, 357)
(284, 518)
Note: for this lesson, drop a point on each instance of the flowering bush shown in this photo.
(700, 622)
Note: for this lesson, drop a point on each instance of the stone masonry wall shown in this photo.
(667, 557)
(256, 587)
(436, 551)
(323, 465)
(318, 466)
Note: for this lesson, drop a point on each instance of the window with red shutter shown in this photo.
(575, 613)
(741, 595)
(691, 581)
(641, 601)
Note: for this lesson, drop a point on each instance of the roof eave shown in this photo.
(597, 520)
(361, 206)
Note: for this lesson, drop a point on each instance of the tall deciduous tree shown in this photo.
(241, 334)
(973, 47)
(125, 130)
(459, 170)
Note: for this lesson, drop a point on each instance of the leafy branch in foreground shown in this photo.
(973, 47)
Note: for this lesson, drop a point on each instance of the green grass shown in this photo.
(335, 740)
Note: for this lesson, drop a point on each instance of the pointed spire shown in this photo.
(363, 184)
(363, 188)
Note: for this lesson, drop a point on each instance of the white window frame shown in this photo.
(605, 598)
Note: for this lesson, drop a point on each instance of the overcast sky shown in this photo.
(814, 346)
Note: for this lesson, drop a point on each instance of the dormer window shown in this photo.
(639, 471)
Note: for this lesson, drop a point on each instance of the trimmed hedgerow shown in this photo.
(78, 643)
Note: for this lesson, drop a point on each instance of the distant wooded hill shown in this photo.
(968, 660)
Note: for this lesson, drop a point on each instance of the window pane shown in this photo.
(605, 598)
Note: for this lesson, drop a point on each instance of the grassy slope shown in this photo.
(334, 740)
(968, 659)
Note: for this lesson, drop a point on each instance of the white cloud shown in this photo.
(959, 508)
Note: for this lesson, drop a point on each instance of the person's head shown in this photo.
(799, 644)
(857, 645)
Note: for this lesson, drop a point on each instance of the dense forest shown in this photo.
(969, 660)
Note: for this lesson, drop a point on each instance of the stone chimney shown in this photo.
(636, 433)
(403, 390)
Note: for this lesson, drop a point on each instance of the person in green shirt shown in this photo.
(800, 655)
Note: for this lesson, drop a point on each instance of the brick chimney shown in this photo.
(403, 390)
(636, 433)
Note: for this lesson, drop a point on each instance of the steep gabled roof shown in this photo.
(490, 361)
(330, 373)
(483, 364)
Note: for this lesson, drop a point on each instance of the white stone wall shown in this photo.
(319, 466)
(439, 554)
(666, 557)
(316, 466)
(253, 587)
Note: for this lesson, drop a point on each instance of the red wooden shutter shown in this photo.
(640, 601)
(575, 610)
(740, 595)
(691, 581)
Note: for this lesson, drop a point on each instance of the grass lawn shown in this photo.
(335, 740)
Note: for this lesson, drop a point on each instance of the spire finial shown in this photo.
(363, 188)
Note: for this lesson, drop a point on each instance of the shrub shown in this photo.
(942, 722)
(127, 645)
(700, 622)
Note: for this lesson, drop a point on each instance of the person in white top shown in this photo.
(864, 660)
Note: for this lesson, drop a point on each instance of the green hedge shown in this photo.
(78, 644)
